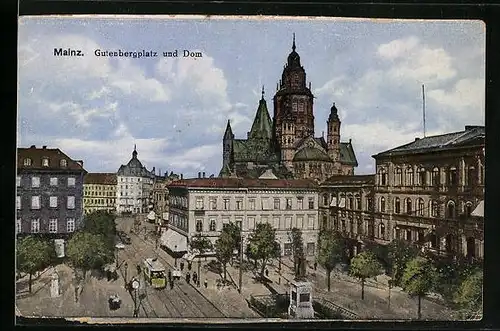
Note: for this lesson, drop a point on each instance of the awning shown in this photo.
(151, 216)
(174, 241)
(479, 211)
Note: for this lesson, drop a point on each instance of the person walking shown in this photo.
(190, 265)
(188, 277)
(195, 278)
(205, 283)
(182, 266)
(315, 265)
(169, 276)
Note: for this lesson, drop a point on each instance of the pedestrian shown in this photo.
(182, 266)
(267, 273)
(188, 277)
(315, 265)
(172, 284)
(138, 268)
(195, 277)
(169, 275)
(108, 275)
(205, 283)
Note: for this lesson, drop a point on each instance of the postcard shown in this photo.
(221, 169)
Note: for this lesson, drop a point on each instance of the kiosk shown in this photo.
(301, 300)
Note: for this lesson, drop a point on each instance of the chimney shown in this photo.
(153, 171)
(44, 147)
(417, 138)
(350, 141)
(32, 146)
(182, 176)
(203, 174)
(199, 174)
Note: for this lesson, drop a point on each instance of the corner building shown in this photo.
(286, 144)
(99, 192)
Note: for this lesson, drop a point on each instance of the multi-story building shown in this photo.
(346, 205)
(99, 192)
(426, 190)
(49, 192)
(134, 185)
(203, 206)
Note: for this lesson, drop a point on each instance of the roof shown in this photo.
(268, 174)
(470, 136)
(100, 178)
(245, 183)
(354, 179)
(54, 156)
(262, 126)
(479, 210)
(311, 154)
(135, 168)
(347, 155)
(254, 150)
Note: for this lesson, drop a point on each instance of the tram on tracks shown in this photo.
(154, 273)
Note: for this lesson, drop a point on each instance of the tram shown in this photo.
(154, 273)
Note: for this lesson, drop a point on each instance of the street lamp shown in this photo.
(126, 269)
(175, 256)
(135, 286)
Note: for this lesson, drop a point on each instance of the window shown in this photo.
(70, 225)
(277, 204)
(342, 227)
(350, 202)
(71, 181)
(310, 249)
(358, 202)
(452, 177)
(421, 207)
(265, 203)
(325, 199)
(287, 249)
(251, 204)
(408, 235)
(71, 202)
(288, 204)
(239, 204)
(360, 227)
(27, 162)
(53, 202)
(212, 225)
(288, 222)
(397, 206)
(18, 202)
(35, 181)
(305, 297)
(398, 178)
(226, 204)
(213, 203)
(369, 203)
(35, 225)
(409, 176)
(63, 163)
(310, 222)
(471, 177)
(435, 177)
(420, 236)
(381, 228)
(199, 225)
(382, 205)
(300, 203)
(382, 177)
(408, 206)
(199, 203)
(451, 210)
(468, 209)
(18, 226)
(18, 181)
(300, 222)
(434, 208)
(35, 202)
(422, 178)
(251, 223)
(53, 225)
(276, 222)
(311, 203)
(45, 162)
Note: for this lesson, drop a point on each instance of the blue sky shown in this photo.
(176, 109)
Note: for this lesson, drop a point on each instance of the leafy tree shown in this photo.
(365, 265)
(33, 254)
(469, 296)
(399, 252)
(297, 248)
(224, 250)
(101, 223)
(263, 245)
(330, 248)
(419, 277)
(202, 245)
(88, 251)
(235, 232)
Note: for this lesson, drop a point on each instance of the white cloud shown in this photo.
(397, 48)
(195, 158)
(466, 98)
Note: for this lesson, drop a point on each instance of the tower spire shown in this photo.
(293, 45)
(262, 92)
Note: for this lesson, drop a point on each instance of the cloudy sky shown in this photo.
(176, 109)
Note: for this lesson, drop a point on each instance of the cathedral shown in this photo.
(285, 146)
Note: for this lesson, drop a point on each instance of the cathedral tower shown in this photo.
(333, 137)
(227, 146)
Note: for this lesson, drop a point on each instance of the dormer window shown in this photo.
(63, 163)
(27, 162)
(45, 162)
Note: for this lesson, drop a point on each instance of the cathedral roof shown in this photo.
(293, 57)
(311, 154)
(262, 125)
(347, 155)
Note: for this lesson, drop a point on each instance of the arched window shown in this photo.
(358, 202)
(471, 177)
(397, 205)
(351, 202)
(398, 178)
(325, 199)
(382, 177)
(382, 204)
(360, 226)
(422, 178)
(408, 206)
(434, 208)
(343, 228)
(63, 163)
(450, 210)
(468, 209)
(381, 229)
(435, 177)
(27, 162)
(409, 176)
(421, 207)
(452, 177)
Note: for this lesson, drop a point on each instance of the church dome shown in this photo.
(311, 154)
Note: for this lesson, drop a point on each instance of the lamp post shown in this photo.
(175, 258)
(126, 269)
(135, 287)
(279, 268)
(241, 260)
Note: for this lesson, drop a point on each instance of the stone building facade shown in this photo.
(99, 192)
(287, 144)
(426, 191)
(202, 206)
(49, 197)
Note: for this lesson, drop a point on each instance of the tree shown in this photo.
(88, 251)
(330, 251)
(235, 232)
(33, 254)
(469, 296)
(365, 265)
(297, 248)
(202, 245)
(419, 277)
(263, 245)
(399, 252)
(224, 250)
(101, 223)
